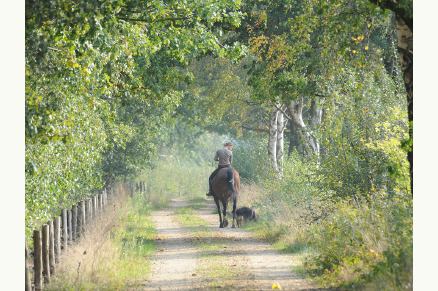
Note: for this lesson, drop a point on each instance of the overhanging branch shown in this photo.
(400, 12)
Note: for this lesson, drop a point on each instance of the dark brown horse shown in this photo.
(226, 185)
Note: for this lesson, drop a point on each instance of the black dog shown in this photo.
(245, 214)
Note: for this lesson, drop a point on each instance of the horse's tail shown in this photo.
(230, 181)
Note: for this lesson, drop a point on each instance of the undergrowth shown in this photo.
(353, 244)
(114, 253)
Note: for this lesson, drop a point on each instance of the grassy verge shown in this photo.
(113, 254)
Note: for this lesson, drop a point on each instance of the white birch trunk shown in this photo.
(280, 142)
(310, 143)
(272, 141)
(316, 113)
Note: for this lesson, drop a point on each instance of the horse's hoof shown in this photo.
(225, 222)
(233, 226)
(221, 226)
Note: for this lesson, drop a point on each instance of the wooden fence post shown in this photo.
(51, 247)
(64, 229)
(92, 209)
(105, 199)
(37, 263)
(95, 208)
(81, 218)
(88, 211)
(74, 220)
(57, 228)
(69, 226)
(45, 252)
(28, 283)
(99, 199)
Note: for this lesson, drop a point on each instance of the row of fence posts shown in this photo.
(56, 235)
(141, 187)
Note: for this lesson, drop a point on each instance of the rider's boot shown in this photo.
(210, 192)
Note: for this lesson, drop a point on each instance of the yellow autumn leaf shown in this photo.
(366, 48)
(276, 286)
(354, 51)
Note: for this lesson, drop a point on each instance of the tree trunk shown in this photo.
(316, 113)
(280, 141)
(310, 143)
(294, 139)
(405, 52)
(405, 23)
(272, 141)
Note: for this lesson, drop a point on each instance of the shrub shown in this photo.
(365, 239)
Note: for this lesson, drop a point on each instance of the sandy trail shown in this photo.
(175, 263)
(253, 264)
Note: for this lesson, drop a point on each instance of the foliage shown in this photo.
(218, 98)
(101, 80)
(362, 240)
(361, 138)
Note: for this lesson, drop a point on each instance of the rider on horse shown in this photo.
(224, 156)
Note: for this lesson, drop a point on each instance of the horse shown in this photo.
(226, 185)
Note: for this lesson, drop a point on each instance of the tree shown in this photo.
(404, 17)
(101, 79)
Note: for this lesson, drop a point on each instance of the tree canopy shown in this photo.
(101, 82)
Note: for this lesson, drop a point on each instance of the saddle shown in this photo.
(230, 175)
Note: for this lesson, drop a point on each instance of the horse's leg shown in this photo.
(224, 208)
(216, 200)
(234, 210)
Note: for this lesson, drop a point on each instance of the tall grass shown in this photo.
(113, 253)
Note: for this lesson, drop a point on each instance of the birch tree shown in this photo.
(310, 142)
(276, 140)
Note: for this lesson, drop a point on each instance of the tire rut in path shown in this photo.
(254, 264)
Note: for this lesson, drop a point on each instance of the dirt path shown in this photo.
(175, 262)
(242, 263)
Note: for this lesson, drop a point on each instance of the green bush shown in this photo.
(365, 239)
